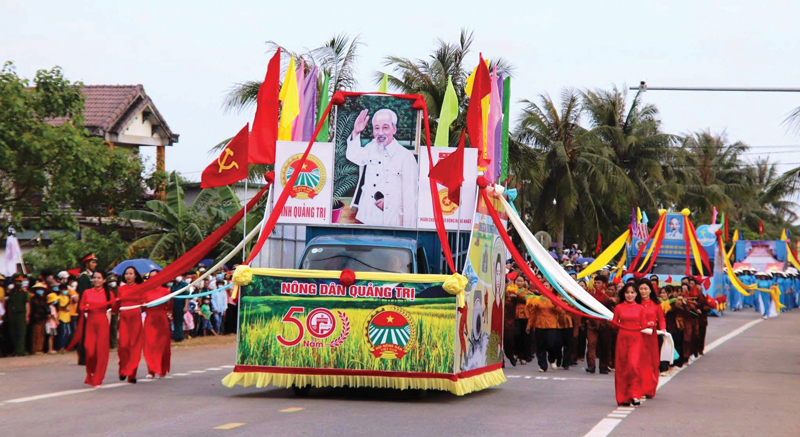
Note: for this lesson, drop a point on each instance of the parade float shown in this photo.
(402, 276)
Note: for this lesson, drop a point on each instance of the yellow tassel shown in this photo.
(243, 275)
(459, 387)
(455, 285)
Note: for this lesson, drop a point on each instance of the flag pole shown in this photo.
(244, 231)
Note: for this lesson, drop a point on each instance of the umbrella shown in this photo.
(584, 260)
(142, 265)
(554, 255)
(207, 262)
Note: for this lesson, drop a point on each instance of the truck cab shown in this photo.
(364, 253)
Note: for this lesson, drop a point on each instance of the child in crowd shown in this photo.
(51, 326)
(205, 314)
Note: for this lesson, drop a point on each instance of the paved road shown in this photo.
(747, 384)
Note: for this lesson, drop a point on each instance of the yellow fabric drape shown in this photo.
(607, 255)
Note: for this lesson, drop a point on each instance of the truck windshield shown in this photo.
(358, 258)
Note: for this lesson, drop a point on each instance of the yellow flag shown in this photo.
(783, 235)
(606, 256)
(291, 103)
(638, 215)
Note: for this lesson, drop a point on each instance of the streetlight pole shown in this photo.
(643, 87)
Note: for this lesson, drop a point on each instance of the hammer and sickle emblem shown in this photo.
(223, 159)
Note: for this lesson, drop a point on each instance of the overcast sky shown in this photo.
(187, 54)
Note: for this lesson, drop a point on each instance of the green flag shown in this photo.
(384, 83)
(506, 118)
(323, 103)
(447, 115)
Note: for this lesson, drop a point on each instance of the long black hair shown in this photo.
(621, 293)
(653, 295)
(137, 279)
(105, 284)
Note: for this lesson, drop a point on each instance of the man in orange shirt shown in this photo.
(543, 316)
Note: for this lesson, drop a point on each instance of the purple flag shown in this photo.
(495, 117)
(297, 128)
(309, 108)
(497, 160)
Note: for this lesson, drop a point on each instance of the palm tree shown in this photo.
(337, 57)
(767, 200)
(576, 172)
(719, 174)
(428, 77)
(634, 134)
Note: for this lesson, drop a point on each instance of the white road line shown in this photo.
(197, 371)
(117, 384)
(49, 395)
(147, 380)
(227, 367)
(180, 374)
(626, 412)
(605, 426)
(619, 416)
(213, 369)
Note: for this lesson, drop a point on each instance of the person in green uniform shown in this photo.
(89, 262)
(18, 309)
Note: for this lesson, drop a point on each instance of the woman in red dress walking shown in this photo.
(627, 379)
(131, 333)
(156, 333)
(650, 359)
(95, 302)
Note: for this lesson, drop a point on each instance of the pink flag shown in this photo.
(495, 117)
(309, 109)
(714, 215)
(297, 128)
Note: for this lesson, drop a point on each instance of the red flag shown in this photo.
(599, 247)
(669, 280)
(265, 123)
(760, 227)
(231, 165)
(481, 87)
(450, 172)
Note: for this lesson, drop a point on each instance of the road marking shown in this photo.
(213, 369)
(229, 425)
(49, 395)
(625, 409)
(197, 371)
(605, 426)
(227, 367)
(619, 411)
(291, 410)
(180, 374)
(168, 377)
(146, 380)
(117, 384)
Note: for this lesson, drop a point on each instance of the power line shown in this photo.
(644, 88)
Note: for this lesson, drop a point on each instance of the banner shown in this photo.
(455, 217)
(480, 323)
(376, 174)
(383, 322)
(674, 245)
(310, 199)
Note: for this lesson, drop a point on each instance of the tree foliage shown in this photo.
(50, 168)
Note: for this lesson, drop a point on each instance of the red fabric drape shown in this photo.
(526, 269)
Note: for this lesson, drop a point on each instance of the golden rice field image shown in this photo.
(261, 322)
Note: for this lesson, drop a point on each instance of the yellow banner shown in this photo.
(606, 256)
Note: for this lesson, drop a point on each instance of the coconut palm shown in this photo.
(634, 135)
(428, 77)
(720, 175)
(337, 57)
(576, 172)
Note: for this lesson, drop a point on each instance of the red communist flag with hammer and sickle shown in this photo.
(231, 165)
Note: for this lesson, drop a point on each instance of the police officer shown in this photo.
(89, 262)
(18, 309)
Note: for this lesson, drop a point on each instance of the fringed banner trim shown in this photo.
(459, 387)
